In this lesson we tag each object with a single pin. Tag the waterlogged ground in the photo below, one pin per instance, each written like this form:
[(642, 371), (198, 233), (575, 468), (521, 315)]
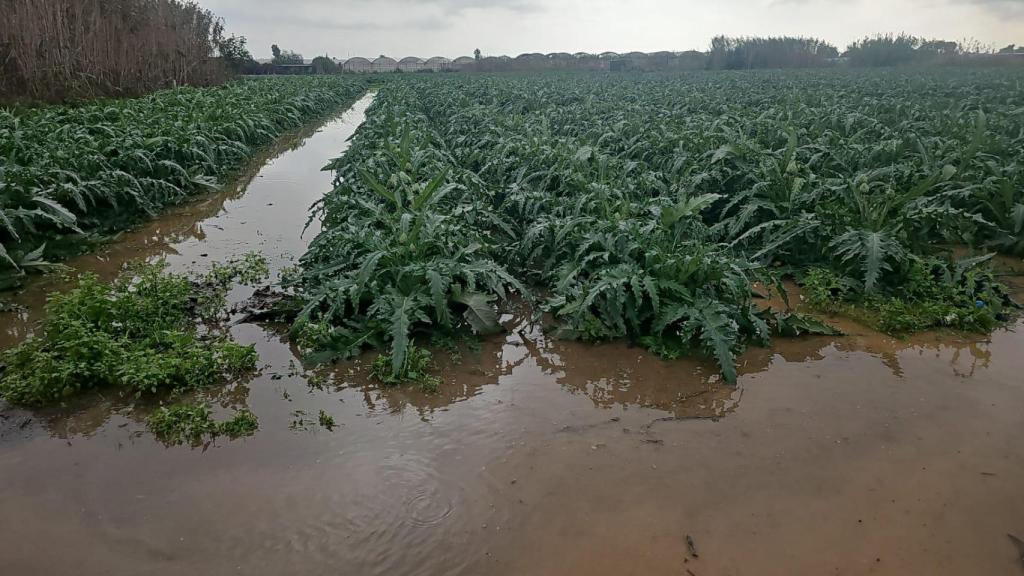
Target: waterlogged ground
[(852, 455)]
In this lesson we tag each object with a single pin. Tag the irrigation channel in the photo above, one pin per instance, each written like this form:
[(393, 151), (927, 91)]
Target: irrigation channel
[(852, 455)]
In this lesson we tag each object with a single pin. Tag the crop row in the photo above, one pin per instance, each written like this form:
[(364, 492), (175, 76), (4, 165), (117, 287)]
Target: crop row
[(646, 208), (74, 172)]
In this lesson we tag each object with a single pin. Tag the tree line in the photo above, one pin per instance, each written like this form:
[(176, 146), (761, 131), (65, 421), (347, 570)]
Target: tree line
[(61, 50), (729, 53), (58, 50)]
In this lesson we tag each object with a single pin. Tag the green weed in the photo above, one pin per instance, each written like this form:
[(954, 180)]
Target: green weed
[(415, 370), (326, 420), (136, 335), (194, 423)]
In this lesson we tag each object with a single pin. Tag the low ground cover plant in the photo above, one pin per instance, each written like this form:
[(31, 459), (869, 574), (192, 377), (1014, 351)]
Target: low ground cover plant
[(139, 336), (194, 424)]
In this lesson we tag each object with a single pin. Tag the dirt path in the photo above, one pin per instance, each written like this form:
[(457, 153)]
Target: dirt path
[(852, 455)]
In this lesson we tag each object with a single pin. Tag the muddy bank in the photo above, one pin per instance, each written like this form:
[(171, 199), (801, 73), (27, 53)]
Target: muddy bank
[(853, 455)]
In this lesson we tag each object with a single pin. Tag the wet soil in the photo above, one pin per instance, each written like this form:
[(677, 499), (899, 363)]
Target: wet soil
[(859, 454)]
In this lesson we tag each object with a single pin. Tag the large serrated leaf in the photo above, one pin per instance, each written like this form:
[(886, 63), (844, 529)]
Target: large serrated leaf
[(400, 322), (480, 312)]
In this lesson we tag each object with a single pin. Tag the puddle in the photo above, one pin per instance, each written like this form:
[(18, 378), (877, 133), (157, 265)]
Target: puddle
[(853, 455)]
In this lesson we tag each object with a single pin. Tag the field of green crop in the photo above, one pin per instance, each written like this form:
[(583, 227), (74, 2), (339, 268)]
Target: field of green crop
[(70, 173), (659, 209)]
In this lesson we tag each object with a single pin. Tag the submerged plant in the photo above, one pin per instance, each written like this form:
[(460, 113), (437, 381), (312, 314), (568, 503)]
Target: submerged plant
[(415, 369), (326, 420), (137, 335), (194, 424)]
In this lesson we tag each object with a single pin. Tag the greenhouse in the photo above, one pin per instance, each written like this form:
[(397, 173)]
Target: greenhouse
[(358, 65), (411, 64), (384, 64)]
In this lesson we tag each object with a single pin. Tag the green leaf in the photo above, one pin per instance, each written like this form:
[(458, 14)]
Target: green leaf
[(60, 212), (35, 255), (717, 334), (787, 324), (376, 186), (480, 312), (8, 226), (872, 250), (438, 293), (400, 323), (5, 257), (964, 265)]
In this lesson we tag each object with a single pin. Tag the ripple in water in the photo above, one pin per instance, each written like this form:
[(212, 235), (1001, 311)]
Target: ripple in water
[(376, 512), (427, 507)]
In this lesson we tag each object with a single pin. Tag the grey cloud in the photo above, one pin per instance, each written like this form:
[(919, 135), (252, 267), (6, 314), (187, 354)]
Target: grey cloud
[(1014, 8), (454, 27), (339, 22), (461, 5)]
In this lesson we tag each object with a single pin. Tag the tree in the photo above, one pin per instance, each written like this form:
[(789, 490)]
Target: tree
[(884, 50), (894, 50), (234, 52), (476, 54), (324, 65), (941, 47), (771, 52), (285, 56)]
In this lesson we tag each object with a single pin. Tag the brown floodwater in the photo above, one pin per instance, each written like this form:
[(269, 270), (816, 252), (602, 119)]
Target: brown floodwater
[(859, 454)]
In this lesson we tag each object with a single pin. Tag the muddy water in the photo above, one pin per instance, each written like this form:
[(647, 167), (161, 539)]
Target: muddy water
[(852, 455)]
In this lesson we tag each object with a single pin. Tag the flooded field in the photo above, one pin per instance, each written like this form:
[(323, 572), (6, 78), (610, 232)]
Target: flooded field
[(858, 454)]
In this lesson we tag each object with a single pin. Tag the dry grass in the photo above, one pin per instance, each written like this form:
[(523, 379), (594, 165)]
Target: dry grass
[(59, 50)]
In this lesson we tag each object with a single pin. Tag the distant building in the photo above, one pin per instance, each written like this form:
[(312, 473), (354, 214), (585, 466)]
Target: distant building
[(658, 62), (438, 64), (411, 64), (357, 65), (463, 63), (533, 61), (384, 64)]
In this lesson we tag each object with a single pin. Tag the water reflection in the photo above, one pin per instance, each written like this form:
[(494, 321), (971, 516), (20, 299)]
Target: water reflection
[(611, 376), (617, 375)]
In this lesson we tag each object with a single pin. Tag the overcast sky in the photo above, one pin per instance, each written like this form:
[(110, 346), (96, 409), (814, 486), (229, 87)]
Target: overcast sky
[(345, 28)]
